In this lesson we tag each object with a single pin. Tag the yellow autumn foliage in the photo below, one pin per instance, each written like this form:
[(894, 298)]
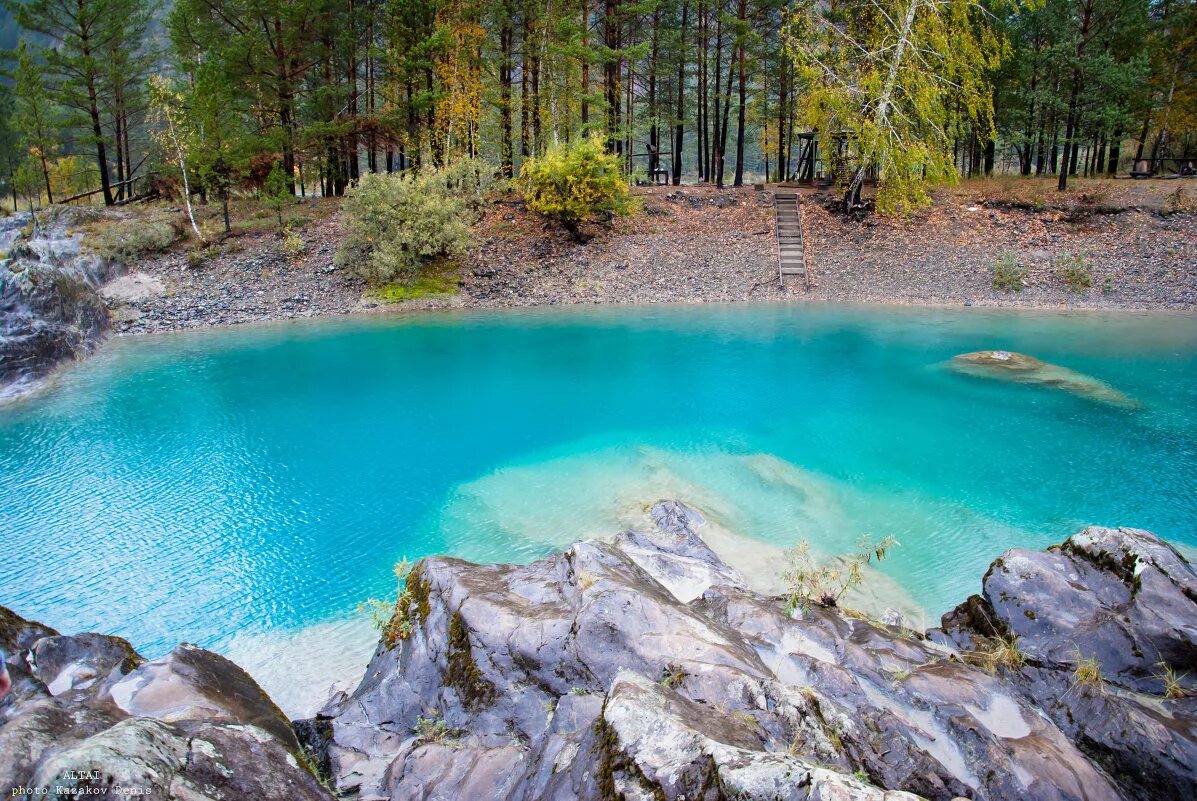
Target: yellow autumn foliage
[(577, 182)]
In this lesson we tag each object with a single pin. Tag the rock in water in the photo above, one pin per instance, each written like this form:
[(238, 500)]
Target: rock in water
[(1019, 368), (88, 715), (644, 669), (50, 309)]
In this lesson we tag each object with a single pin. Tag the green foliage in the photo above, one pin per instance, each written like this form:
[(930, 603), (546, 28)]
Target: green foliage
[(396, 224), (395, 620), (27, 180), (433, 728), (1008, 274), (894, 73), (824, 585), (95, 59), (292, 243), (429, 283), (576, 182), (1073, 271), (127, 240), (276, 192), (36, 119)]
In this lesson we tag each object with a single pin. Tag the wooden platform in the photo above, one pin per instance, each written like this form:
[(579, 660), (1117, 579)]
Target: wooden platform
[(791, 248)]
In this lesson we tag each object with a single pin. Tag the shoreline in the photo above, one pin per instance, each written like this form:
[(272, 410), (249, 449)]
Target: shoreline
[(403, 310), (695, 245)]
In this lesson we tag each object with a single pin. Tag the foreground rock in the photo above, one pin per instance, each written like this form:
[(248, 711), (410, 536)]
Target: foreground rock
[(50, 309), (644, 669), (1022, 369), (1107, 623), (88, 716)]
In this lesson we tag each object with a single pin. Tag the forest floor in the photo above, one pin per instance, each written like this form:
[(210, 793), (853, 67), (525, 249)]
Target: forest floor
[(690, 244)]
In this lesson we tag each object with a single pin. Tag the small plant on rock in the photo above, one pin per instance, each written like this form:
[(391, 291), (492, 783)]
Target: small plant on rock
[(1087, 672), (1172, 686), (673, 675), (824, 585), (1008, 274), (395, 620), (1073, 271), (996, 652), (433, 728)]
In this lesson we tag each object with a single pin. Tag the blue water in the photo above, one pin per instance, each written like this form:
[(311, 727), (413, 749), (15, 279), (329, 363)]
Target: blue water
[(201, 486)]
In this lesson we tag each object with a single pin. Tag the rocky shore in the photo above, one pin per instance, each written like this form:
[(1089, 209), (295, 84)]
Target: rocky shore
[(50, 307), (58, 300), (644, 668), (698, 244)]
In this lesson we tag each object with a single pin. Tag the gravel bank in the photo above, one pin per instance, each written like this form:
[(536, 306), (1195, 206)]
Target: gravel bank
[(697, 244)]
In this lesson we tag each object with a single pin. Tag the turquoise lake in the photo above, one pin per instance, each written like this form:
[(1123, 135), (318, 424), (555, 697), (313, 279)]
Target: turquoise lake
[(241, 487)]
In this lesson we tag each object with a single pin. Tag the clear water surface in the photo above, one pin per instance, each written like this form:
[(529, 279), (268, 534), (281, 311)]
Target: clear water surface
[(235, 487)]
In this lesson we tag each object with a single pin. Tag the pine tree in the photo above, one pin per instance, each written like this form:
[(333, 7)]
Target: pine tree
[(36, 119), (81, 33)]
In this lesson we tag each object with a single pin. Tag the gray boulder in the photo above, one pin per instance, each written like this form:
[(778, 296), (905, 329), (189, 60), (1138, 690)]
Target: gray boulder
[(88, 713), (1019, 368), (1120, 596), (1107, 623), (50, 307), (645, 669)]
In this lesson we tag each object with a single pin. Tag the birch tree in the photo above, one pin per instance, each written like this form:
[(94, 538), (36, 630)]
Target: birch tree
[(886, 74), (172, 135)]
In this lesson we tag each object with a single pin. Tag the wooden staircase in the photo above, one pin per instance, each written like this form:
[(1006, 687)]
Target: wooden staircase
[(791, 249)]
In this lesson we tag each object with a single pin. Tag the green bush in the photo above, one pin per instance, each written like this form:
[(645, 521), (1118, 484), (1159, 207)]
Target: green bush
[(292, 243), (1073, 271), (1008, 274), (395, 224), (576, 182), (126, 240)]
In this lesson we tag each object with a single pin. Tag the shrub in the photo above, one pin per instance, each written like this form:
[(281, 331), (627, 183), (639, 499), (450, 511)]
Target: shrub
[(1008, 274), (395, 224), (292, 243), (276, 192), (125, 240), (825, 585), (575, 183), (1073, 271)]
